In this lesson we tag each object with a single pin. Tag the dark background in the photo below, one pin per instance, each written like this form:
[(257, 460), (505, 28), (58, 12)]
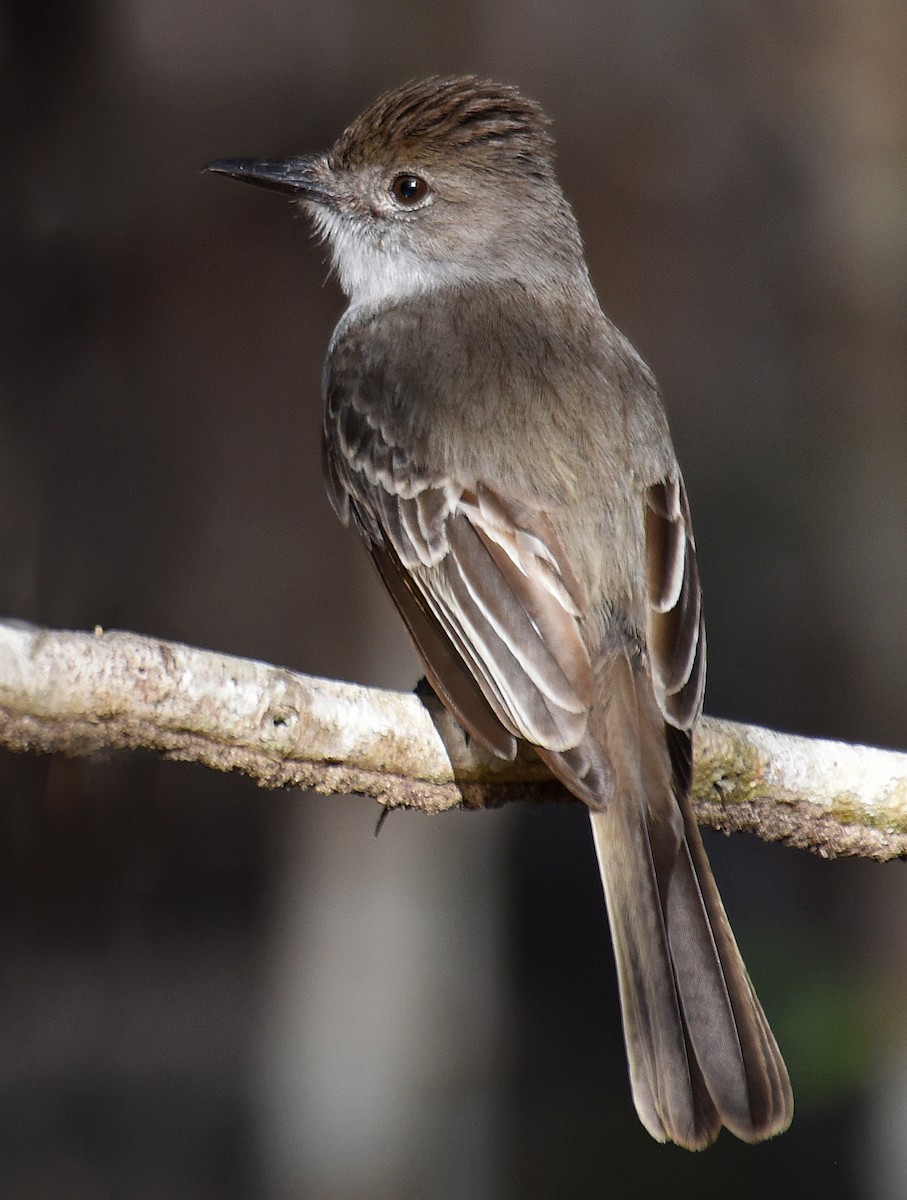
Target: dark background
[(211, 991)]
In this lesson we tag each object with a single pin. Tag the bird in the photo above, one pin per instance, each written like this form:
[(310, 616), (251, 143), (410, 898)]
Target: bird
[(504, 453)]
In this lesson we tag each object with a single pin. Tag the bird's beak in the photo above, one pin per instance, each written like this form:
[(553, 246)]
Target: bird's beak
[(304, 178)]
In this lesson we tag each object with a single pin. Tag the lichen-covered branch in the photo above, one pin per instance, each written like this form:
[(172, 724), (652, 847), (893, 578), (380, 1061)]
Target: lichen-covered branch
[(81, 693)]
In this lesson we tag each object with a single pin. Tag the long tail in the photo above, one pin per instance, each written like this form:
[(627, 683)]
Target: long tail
[(700, 1051)]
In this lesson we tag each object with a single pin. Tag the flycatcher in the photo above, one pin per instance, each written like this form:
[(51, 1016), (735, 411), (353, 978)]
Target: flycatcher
[(504, 454)]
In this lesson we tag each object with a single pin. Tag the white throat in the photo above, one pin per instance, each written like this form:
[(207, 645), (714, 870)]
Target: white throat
[(370, 274)]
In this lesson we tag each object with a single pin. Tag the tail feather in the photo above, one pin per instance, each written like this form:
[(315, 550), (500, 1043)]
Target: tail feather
[(700, 1051), (770, 1102)]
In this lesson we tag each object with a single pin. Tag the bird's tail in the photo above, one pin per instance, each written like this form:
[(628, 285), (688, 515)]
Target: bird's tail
[(700, 1051)]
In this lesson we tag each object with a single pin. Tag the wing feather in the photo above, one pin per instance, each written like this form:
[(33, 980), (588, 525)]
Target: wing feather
[(483, 581), (676, 628)]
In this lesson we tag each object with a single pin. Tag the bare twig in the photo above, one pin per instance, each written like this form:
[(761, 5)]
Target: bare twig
[(81, 693)]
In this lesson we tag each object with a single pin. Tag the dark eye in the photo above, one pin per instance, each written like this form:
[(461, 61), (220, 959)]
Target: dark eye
[(409, 189)]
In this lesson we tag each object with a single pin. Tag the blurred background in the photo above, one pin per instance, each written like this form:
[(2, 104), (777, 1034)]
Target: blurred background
[(208, 991)]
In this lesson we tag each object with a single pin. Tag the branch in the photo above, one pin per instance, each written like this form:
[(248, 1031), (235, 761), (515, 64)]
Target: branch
[(81, 693)]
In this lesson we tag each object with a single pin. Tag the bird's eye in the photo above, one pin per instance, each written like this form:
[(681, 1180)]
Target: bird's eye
[(409, 190)]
